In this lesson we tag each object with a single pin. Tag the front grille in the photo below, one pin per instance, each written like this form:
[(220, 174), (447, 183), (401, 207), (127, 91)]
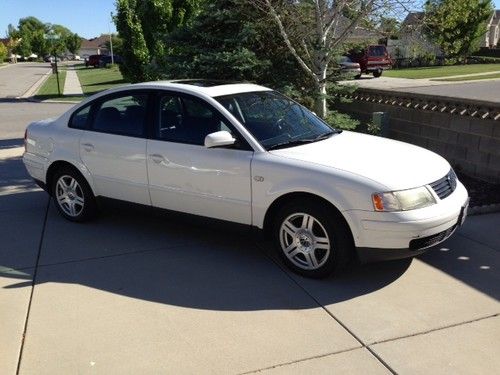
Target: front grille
[(422, 243), (446, 185)]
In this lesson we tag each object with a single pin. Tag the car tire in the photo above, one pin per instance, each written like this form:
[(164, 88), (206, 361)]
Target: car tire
[(312, 239), (357, 76), (72, 195), (377, 73)]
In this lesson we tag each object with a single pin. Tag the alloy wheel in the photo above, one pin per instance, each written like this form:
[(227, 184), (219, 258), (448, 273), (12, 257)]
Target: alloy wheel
[(304, 241), (69, 195)]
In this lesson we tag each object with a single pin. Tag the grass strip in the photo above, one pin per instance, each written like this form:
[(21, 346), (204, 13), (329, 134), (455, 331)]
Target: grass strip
[(441, 71), (470, 78), (49, 88)]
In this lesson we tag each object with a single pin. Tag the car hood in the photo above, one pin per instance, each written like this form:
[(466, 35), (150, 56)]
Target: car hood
[(394, 164)]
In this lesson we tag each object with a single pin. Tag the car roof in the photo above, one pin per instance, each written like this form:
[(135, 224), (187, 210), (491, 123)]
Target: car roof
[(211, 88)]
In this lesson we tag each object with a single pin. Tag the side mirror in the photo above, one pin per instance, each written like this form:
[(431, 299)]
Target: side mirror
[(218, 139)]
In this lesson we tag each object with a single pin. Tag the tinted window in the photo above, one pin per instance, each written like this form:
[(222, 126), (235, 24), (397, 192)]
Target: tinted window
[(376, 51), (188, 120), (79, 118), (124, 115)]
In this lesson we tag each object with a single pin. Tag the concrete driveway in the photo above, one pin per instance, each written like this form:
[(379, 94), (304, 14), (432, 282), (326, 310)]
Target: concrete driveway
[(140, 291)]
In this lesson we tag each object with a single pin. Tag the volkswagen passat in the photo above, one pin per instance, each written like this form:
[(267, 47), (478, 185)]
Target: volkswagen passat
[(247, 154)]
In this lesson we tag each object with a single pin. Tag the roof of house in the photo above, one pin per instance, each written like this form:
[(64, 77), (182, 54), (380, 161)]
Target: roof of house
[(413, 19), (95, 43), (4, 41)]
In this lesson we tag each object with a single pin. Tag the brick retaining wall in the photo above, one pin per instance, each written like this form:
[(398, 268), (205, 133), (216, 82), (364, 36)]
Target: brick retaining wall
[(465, 132)]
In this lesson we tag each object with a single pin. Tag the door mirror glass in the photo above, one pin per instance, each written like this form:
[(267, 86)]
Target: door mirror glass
[(218, 139)]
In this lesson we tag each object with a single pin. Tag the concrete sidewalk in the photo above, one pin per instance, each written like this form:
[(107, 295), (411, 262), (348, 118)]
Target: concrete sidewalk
[(72, 84), (144, 292)]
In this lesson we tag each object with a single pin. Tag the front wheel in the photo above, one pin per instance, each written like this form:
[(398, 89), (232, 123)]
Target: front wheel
[(312, 239), (73, 196), (377, 73)]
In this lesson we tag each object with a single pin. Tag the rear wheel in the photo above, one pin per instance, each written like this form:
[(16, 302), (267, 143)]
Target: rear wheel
[(313, 240), (377, 73), (72, 195)]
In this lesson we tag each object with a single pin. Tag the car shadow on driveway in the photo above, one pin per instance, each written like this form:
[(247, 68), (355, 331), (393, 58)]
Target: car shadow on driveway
[(468, 261), (180, 260)]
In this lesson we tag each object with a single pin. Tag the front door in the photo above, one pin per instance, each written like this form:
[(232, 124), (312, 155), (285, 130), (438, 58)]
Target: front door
[(186, 176)]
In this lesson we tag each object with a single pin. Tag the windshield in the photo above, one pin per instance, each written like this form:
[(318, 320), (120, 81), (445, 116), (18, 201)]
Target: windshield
[(275, 120)]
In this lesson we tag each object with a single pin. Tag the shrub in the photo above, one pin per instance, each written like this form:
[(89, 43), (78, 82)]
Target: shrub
[(3, 52)]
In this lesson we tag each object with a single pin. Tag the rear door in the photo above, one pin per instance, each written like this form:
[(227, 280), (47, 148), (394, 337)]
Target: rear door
[(114, 147)]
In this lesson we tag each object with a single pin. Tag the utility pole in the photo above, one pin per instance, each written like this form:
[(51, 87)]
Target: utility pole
[(111, 41)]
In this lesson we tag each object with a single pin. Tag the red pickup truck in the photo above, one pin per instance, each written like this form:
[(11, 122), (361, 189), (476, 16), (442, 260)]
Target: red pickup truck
[(374, 59)]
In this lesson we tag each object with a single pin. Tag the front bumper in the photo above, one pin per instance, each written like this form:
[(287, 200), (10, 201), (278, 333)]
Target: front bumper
[(386, 235)]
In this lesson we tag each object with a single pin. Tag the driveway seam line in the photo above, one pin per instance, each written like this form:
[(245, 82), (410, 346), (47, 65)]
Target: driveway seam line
[(436, 329), (300, 360), (385, 364), (33, 283)]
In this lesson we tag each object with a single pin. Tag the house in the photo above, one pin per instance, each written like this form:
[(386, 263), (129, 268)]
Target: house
[(412, 42), (94, 46), (492, 36)]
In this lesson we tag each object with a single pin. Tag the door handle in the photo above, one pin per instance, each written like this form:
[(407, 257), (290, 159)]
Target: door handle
[(88, 147), (157, 158)]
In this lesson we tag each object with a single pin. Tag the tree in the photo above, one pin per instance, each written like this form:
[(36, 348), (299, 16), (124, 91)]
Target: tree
[(73, 43), (315, 30), (223, 42), (457, 26), (143, 25), (117, 45)]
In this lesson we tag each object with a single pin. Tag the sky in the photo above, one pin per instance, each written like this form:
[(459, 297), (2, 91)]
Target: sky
[(87, 18)]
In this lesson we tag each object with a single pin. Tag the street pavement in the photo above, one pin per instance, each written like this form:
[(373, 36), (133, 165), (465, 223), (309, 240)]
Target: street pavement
[(487, 90), (16, 79), (143, 291)]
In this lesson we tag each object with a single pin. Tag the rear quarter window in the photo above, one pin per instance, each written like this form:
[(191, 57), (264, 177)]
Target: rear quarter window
[(79, 119)]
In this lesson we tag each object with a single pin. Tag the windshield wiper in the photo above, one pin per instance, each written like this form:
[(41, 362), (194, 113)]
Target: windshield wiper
[(297, 142)]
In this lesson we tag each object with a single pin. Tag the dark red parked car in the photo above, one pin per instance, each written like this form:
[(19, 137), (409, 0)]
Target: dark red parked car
[(374, 59), (93, 60)]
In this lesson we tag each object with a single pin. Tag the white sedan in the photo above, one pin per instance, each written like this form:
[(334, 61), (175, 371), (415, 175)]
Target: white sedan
[(247, 154)]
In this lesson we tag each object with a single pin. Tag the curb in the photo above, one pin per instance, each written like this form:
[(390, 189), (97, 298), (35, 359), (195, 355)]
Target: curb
[(32, 99), (34, 88), (485, 209)]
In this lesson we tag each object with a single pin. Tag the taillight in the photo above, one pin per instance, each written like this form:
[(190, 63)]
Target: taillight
[(26, 140)]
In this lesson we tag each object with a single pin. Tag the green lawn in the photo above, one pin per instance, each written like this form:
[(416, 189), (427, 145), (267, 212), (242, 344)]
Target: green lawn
[(98, 79), (470, 78), (49, 88), (442, 71)]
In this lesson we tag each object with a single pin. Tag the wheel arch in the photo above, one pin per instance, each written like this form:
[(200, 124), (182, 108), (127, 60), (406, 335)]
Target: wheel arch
[(58, 164), (284, 199)]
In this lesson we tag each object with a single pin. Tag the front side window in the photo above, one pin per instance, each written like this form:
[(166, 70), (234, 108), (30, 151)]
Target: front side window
[(274, 120), (187, 120), (124, 115)]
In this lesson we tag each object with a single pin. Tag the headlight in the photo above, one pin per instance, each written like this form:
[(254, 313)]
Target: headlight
[(403, 200)]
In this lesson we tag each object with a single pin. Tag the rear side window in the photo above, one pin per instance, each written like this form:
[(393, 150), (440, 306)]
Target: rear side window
[(79, 118), (124, 115)]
